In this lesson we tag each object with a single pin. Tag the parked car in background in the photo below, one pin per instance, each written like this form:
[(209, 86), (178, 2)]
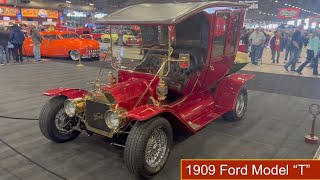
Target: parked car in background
[(95, 35), (64, 44)]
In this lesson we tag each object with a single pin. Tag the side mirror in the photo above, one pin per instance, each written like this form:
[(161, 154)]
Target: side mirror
[(184, 61)]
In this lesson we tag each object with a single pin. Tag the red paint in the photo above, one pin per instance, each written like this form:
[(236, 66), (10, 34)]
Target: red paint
[(206, 96), (71, 93), (61, 47)]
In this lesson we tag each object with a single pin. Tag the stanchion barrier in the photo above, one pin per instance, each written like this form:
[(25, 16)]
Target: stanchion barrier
[(314, 109), (80, 63)]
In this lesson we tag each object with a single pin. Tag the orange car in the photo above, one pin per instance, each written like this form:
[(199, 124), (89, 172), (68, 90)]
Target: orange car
[(64, 44)]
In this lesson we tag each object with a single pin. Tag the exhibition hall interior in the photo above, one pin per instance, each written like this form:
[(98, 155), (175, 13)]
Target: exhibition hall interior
[(132, 89)]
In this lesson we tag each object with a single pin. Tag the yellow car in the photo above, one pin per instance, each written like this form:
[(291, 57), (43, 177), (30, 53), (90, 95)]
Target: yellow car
[(127, 39), (106, 38)]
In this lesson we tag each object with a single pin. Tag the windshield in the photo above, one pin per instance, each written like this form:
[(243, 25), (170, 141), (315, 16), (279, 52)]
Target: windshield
[(133, 50), (66, 36)]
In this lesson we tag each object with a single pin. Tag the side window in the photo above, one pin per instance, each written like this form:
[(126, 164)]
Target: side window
[(47, 36), (236, 29), (220, 36), (50, 37)]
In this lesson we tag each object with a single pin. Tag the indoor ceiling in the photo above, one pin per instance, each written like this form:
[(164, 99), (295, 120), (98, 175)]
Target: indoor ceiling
[(265, 6)]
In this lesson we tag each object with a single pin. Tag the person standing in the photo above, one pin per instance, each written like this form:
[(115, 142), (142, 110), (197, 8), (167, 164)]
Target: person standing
[(312, 52), (276, 45), (4, 40), (17, 38), (287, 43), (37, 40), (257, 40), (51, 28), (246, 40), (296, 44), (265, 42)]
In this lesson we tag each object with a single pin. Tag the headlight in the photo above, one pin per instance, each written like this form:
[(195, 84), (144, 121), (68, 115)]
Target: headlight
[(70, 108), (112, 119), (73, 106)]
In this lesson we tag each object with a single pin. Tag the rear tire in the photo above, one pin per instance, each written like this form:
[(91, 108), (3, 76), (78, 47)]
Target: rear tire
[(241, 106), (48, 122), (148, 147)]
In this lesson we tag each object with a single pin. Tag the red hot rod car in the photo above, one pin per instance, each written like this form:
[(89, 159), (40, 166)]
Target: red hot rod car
[(64, 44), (178, 85)]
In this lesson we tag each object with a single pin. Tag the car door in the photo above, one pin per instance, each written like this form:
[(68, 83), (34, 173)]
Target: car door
[(220, 44), (54, 46), (44, 45)]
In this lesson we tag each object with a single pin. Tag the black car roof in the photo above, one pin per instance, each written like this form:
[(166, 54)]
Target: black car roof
[(169, 13)]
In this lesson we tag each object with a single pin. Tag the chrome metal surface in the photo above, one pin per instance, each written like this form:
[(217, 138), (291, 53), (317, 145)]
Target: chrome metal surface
[(240, 107), (156, 148), (63, 122)]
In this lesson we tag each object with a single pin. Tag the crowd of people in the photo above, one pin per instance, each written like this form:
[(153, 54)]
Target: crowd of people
[(291, 41), (11, 43)]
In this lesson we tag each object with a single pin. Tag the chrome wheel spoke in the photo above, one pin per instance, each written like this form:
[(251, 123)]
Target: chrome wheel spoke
[(62, 122), (240, 106), (156, 148)]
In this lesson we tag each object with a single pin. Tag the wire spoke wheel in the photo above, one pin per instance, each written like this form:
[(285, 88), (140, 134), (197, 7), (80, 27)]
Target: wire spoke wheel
[(240, 107), (63, 123), (156, 148)]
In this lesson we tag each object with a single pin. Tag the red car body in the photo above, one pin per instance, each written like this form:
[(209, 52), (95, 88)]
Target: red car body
[(55, 45), (185, 80), (209, 104)]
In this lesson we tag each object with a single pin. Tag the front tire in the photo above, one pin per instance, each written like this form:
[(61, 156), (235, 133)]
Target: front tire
[(74, 55), (240, 108), (148, 147), (52, 121)]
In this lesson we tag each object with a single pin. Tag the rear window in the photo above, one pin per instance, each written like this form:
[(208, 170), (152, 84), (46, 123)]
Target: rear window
[(65, 36)]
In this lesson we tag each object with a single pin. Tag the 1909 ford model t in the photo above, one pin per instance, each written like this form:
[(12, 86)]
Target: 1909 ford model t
[(180, 83)]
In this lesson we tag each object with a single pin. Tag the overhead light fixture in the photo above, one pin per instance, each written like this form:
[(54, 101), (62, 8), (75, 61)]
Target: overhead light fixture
[(276, 1), (91, 4), (69, 2)]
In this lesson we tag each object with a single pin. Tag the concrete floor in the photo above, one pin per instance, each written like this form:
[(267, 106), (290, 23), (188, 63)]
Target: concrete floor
[(274, 126)]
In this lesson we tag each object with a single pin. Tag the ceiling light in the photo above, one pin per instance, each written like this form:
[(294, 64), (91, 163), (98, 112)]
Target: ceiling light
[(91, 4), (69, 2), (286, 4)]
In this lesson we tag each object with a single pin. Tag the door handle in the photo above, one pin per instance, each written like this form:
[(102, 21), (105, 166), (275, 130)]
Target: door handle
[(211, 67)]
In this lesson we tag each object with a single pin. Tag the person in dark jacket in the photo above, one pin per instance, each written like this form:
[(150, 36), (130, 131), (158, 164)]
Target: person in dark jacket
[(4, 40), (276, 45), (17, 38), (287, 43)]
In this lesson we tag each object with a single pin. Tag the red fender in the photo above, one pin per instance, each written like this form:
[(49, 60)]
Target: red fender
[(71, 93), (228, 89), (144, 112)]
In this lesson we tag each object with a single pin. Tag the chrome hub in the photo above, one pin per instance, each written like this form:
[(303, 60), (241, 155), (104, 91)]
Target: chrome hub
[(63, 123), (156, 148), (240, 107)]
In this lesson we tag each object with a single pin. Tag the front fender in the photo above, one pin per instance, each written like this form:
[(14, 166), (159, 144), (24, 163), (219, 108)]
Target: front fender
[(71, 93), (144, 112), (228, 89)]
